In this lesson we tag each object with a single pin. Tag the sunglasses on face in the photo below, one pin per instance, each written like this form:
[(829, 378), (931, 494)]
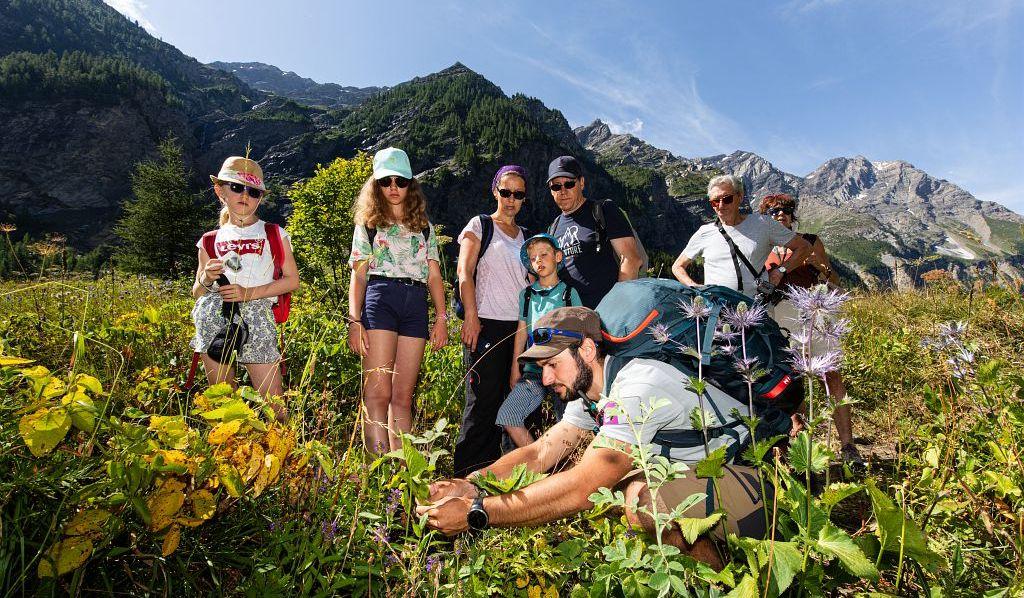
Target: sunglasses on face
[(385, 182), (776, 212), (724, 200), (556, 187), (506, 193), (543, 336), (252, 191)]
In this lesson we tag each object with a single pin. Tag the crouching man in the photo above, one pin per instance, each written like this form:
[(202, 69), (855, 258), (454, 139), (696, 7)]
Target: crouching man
[(566, 344)]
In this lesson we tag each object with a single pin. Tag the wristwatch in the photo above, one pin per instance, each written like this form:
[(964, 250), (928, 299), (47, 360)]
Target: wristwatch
[(781, 269), (477, 517)]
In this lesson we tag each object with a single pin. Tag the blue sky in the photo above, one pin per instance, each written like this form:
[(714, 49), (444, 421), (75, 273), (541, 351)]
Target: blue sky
[(939, 84)]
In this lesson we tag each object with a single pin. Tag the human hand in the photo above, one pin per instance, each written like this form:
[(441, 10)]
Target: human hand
[(471, 331), (457, 487), (439, 334), (358, 339), (447, 516), (214, 268), (233, 293), (514, 377)]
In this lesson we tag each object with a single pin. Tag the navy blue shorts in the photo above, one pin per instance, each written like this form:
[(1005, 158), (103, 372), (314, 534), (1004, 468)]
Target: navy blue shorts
[(396, 306)]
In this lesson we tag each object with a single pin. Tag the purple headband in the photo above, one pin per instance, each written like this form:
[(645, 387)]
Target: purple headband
[(519, 170)]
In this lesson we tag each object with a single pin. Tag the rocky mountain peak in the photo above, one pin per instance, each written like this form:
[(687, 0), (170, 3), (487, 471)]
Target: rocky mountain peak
[(593, 134), (850, 176)]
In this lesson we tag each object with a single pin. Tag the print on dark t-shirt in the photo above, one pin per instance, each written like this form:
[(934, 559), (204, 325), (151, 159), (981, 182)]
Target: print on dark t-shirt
[(591, 272)]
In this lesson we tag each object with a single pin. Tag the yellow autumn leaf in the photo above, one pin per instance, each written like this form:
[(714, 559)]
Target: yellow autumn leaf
[(534, 592), (81, 408), (240, 456), (171, 540), (65, 556), (204, 504), (179, 458), (44, 429), (54, 388), (228, 476), (551, 592), (221, 432), (89, 383), (35, 372), (189, 521), (255, 462), (6, 360), (86, 522), (268, 473), (522, 582), (163, 505)]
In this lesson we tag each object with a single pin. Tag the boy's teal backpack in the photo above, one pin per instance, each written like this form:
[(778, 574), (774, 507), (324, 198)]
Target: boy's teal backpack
[(645, 318)]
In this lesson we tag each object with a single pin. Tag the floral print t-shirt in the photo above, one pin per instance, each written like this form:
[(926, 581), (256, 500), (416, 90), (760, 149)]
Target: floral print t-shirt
[(396, 252)]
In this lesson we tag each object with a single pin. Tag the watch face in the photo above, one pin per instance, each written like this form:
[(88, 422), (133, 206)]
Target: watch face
[(477, 518)]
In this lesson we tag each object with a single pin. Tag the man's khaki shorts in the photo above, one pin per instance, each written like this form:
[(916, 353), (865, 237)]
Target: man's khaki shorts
[(739, 495)]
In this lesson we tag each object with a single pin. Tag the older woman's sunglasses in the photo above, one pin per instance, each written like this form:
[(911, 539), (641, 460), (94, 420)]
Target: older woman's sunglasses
[(543, 336), (780, 211), (400, 182), (506, 193), (252, 191)]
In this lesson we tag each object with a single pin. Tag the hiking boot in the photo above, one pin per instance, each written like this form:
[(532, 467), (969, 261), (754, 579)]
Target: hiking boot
[(851, 456)]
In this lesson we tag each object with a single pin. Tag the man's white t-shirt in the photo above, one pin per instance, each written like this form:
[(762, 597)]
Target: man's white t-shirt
[(755, 237), (252, 247), (500, 275), (639, 385)]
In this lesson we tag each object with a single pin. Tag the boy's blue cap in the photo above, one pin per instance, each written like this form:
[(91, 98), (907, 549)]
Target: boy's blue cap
[(391, 161), (525, 257)]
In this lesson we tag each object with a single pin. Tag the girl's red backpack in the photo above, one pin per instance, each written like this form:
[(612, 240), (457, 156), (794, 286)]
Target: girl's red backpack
[(284, 302)]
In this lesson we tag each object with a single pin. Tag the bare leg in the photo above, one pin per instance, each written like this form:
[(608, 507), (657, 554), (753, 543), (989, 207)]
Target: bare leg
[(266, 377), (842, 416), (408, 357), (703, 549), (378, 366), (519, 435), (217, 372)]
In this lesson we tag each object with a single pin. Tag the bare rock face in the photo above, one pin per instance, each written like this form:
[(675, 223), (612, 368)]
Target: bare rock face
[(270, 79)]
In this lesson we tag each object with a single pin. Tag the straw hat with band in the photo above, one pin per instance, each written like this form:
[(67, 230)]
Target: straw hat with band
[(244, 171), (560, 329)]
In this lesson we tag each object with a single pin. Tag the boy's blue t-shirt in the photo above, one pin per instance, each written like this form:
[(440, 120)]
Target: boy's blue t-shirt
[(542, 300)]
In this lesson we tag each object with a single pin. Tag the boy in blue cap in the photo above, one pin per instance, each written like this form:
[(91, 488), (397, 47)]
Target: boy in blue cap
[(543, 258)]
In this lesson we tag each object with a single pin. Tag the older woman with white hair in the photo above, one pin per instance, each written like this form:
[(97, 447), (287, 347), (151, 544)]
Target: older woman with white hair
[(735, 245)]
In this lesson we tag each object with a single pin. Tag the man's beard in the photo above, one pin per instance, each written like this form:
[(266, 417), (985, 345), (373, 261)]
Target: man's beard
[(584, 377)]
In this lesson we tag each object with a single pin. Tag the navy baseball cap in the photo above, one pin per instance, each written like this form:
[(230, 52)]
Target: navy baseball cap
[(564, 166)]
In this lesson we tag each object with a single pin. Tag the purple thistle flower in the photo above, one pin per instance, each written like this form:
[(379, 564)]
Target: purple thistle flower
[(817, 365), (801, 336), (659, 332), (695, 308), (747, 367), (833, 330), (953, 331), (725, 333), (816, 301), (744, 317)]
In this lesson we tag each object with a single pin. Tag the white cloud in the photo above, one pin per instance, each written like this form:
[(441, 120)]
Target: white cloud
[(133, 9), (632, 127)]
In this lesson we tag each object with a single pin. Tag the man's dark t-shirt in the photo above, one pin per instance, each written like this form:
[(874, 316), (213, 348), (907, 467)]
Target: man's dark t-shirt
[(591, 272)]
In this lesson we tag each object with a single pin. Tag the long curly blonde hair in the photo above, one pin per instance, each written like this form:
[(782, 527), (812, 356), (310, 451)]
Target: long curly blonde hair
[(373, 210)]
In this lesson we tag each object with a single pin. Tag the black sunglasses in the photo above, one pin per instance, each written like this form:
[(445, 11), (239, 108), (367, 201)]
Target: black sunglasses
[(516, 194), (543, 336), (556, 187), (252, 191), (385, 182), (777, 211), (724, 200)]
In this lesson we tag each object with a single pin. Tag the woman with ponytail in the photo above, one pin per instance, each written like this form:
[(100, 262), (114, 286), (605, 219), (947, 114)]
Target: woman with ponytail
[(237, 265)]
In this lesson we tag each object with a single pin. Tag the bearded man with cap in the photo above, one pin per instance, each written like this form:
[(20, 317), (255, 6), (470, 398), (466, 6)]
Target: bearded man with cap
[(566, 343), (596, 239)]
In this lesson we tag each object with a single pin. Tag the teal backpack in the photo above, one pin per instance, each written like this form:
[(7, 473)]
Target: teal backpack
[(633, 309)]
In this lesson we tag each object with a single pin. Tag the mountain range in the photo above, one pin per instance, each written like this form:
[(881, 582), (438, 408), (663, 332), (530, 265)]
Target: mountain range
[(86, 94)]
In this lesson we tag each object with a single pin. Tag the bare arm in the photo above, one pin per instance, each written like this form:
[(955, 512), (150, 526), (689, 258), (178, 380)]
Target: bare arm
[(206, 274), (439, 334), (801, 251), (629, 257), (518, 346), (541, 455), (469, 253), (358, 340), (679, 270), (819, 259)]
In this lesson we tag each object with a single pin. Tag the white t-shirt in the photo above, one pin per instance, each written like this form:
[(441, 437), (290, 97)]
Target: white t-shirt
[(250, 245), (500, 275), (755, 237), (638, 385)]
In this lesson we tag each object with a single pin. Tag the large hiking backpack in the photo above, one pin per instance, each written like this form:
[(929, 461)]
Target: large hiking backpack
[(597, 211), (632, 309)]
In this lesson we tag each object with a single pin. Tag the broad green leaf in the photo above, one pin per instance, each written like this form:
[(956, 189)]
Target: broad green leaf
[(711, 466), (219, 390), (89, 383), (893, 525), (229, 411), (835, 542), (786, 561), (803, 447), (151, 316), (65, 556), (86, 522), (171, 430), (44, 429), (837, 492), (82, 410), (747, 588), (693, 527)]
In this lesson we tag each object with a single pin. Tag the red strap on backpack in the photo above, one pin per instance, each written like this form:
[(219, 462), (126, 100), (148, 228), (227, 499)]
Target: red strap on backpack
[(210, 244), (284, 302)]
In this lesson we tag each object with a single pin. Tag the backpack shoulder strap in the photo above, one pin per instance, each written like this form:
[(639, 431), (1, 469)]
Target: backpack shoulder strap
[(566, 295), (737, 256), (527, 294), (276, 246), (486, 234), (210, 243), (371, 234), (426, 232), (597, 211)]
